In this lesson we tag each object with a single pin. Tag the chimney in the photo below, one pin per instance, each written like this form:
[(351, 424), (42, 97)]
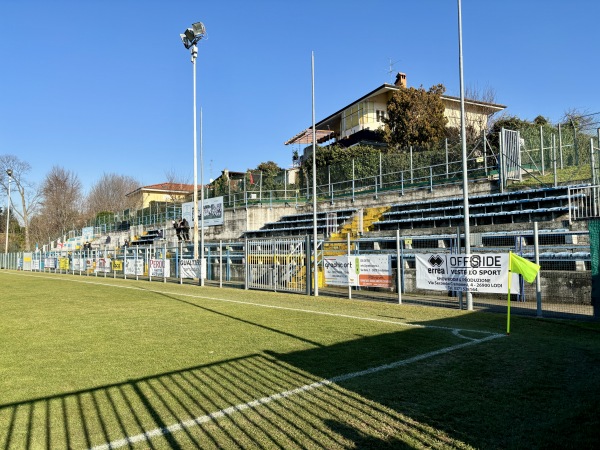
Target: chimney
[(400, 79)]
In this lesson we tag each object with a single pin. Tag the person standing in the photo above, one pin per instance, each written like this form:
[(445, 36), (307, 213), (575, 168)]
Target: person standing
[(177, 229), (185, 226)]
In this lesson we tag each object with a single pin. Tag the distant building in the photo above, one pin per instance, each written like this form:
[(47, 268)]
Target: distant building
[(358, 121), (163, 192)]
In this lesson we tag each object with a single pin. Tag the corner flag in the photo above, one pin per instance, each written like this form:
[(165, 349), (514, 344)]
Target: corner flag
[(524, 267)]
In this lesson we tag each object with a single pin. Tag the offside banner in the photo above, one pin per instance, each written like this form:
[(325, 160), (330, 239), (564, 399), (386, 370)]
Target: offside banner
[(362, 270), (477, 272)]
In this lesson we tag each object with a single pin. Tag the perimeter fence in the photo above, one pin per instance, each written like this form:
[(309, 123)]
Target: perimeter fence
[(563, 288)]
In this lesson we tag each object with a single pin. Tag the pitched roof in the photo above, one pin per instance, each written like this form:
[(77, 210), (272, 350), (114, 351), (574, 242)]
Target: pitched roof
[(171, 188)]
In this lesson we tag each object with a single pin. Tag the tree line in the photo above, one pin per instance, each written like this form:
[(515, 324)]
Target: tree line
[(42, 213)]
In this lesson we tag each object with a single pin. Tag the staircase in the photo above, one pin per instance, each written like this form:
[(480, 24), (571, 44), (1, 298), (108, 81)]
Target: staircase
[(338, 242)]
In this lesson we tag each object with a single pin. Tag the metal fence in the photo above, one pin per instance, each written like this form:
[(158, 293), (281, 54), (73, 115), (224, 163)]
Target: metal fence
[(563, 288)]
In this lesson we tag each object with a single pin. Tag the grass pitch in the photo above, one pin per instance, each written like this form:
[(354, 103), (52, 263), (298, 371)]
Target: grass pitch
[(101, 363)]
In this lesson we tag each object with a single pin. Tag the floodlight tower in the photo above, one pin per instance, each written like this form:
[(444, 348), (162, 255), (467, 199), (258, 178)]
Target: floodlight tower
[(9, 172), (190, 38)]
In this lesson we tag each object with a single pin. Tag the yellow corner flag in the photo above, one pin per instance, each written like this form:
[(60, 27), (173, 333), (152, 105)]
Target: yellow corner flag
[(529, 270), (523, 266)]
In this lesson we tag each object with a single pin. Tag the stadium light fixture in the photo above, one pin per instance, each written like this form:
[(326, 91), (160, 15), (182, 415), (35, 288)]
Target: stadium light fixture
[(190, 37), (9, 172)]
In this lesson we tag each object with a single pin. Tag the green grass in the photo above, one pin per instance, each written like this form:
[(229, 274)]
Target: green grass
[(86, 361)]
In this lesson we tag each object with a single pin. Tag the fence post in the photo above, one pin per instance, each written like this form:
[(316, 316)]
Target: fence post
[(348, 252), (246, 265), (352, 179), (411, 166), (560, 146), (446, 147), (220, 263), (485, 166), (380, 171), (399, 264), (538, 282), (554, 160), (307, 264), (592, 161), (542, 149), (430, 179), (165, 263)]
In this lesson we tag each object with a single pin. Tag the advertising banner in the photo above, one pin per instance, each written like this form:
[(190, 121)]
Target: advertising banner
[(63, 263), (117, 265), (103, 265), (49, 263), (134, 267), (27, 256), (213, 212), (78, 264), (158, 268), (477, 272), (87, 233), (190, 268), (361, 270)]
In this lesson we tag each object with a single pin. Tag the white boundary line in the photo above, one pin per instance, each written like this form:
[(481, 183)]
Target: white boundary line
[(455, 331), (157, 432), (186, 424)]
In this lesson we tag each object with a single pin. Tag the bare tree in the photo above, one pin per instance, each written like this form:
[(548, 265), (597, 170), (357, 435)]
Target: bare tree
[(61, 202), (29, 194), (109, 194)]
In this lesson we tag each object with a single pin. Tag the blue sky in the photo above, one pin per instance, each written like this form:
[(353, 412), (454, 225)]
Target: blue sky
[(106, 86)]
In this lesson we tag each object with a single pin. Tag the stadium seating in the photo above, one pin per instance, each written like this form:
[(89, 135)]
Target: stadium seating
[(148, 238), (302, 224), (544, 204)]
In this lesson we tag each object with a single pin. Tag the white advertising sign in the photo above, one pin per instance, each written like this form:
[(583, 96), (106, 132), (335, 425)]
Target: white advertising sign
[(134, 266), (78, 264), (158, 268), (102, 265), (49, 263), (362, 270), (477, 272), (213, 212), (27, 257), (190, 268)]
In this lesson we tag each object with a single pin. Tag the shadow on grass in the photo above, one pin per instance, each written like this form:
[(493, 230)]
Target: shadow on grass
[(430, 386)]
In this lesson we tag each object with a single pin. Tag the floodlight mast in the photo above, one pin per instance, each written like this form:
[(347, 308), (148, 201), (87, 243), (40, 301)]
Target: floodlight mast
[(190, 37)]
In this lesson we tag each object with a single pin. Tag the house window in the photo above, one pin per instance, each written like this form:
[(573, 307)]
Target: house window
[(380, 115), (359, 113)]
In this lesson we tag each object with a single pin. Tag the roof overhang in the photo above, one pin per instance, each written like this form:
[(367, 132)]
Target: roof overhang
[(306, 137)]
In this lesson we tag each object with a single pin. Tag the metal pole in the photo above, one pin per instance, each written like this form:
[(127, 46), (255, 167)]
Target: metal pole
[(314, 178), (446, 147), (380, 172), (348, 251), (463, 139), (542, 150), (220, 263), (201, 204), (538, 282), (9, 173), (592, 161), (194, 51), (411, 166), (554, 160), (560, 149), (399, 263)]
